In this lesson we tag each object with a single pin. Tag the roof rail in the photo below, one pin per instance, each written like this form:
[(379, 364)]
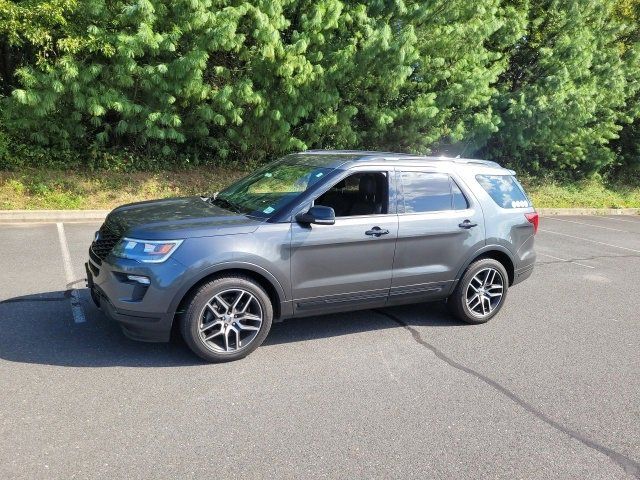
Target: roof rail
[(348, 152), (404, 156)]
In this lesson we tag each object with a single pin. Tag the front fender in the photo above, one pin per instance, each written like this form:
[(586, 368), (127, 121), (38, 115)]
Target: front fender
[(220, 267), (264, 252)]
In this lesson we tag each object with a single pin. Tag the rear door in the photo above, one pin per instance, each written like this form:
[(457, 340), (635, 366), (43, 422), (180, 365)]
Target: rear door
[(440, 223)]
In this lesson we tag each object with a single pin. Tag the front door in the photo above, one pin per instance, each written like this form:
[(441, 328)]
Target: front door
[(349, 264)]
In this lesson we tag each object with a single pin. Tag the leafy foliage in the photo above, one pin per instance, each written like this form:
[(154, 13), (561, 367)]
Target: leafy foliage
[(628, 145), (28, 33), (562, 99), (540, 85)]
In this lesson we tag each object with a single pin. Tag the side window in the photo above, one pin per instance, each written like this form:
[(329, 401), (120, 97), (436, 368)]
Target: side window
[(426, 192), (362, 193), (460, 202), (504, 190)]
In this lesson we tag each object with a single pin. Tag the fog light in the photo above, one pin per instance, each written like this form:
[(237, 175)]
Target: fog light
[(138, 279)]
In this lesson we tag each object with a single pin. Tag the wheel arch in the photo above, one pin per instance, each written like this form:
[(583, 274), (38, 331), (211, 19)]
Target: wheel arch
[(262, 277), (497, 252)]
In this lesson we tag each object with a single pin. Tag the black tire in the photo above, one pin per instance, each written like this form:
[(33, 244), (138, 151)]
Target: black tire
[(191, 321), (457, 302)]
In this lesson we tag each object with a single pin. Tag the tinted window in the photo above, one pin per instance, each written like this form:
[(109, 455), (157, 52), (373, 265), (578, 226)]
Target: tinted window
[(426, 192), (459, 200), (504, 190), (363, 193)]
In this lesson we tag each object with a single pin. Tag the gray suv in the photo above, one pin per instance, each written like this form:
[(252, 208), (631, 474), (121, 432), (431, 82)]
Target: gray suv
[(314, 233)]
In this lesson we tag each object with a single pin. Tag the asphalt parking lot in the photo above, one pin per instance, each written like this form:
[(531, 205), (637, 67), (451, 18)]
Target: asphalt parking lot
[(548, 389)]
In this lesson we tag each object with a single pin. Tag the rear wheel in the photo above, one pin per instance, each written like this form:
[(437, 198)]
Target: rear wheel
[(481, 292), (227, 319)]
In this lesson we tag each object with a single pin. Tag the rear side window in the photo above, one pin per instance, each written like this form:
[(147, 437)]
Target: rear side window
[(504, 190), (459, 200), (426, 192)]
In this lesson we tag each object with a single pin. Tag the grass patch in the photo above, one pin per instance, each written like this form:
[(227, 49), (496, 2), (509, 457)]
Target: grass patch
[(37, 189), (584, 194)]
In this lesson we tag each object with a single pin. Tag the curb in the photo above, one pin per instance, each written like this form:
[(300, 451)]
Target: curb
[(588, 211), (53, 216)]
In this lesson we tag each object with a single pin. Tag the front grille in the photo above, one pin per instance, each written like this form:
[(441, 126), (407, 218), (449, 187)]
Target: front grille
[(107, 239)]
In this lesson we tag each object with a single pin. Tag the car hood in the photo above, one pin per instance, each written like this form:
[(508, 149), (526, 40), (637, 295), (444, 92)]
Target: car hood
[(177, 218)]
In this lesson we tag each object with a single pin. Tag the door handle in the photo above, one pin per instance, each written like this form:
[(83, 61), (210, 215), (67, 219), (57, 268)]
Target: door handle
[(376, 232), (467, 224)]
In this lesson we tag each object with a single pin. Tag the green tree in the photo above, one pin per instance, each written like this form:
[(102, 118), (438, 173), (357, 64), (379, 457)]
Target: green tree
[(29, 31), (628, 146), (248, 78), (539, 85), (445, 104), (562, 99), (255, 79)]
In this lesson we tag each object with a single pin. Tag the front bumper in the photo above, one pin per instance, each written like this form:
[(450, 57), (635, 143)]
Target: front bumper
[(143, 311), (136, 327)]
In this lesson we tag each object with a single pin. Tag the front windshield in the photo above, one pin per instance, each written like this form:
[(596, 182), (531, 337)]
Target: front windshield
[(273, 186)]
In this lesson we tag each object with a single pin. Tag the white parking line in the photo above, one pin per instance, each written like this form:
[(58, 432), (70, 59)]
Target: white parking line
[(622, 220), (76, 306), (588, 224), (565, 260), (589, 240)]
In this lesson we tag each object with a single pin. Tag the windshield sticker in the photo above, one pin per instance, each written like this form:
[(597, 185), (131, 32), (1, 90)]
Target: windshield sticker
[(268, 210), (318, 175)]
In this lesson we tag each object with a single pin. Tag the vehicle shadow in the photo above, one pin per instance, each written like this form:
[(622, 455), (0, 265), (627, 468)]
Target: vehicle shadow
[(40, 329)]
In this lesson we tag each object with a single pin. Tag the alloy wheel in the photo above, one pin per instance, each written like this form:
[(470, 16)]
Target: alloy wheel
[(484, 292), (230, 321)]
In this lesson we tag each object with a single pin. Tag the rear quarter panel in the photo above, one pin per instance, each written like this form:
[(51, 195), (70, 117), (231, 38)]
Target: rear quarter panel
[(506, 227)]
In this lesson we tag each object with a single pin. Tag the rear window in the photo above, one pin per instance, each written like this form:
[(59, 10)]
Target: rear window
[(426, 192), (504, 190)]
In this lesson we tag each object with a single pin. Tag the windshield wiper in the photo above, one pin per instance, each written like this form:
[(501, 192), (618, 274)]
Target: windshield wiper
[(224, 203)]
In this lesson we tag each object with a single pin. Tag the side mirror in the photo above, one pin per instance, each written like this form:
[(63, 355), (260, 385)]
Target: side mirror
[(319, 215)]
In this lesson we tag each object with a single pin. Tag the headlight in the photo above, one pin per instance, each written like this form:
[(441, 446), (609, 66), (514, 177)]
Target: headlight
[(146, 251)]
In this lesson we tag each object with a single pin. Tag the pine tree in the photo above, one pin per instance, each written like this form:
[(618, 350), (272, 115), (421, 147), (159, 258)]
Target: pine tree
[(445, 105), (562, 98), (251, 79), (28, 33), (628, 146), (539, 85)]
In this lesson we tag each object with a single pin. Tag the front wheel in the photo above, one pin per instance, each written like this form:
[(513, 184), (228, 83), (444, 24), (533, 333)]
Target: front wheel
[(227, 319), (481, 292)]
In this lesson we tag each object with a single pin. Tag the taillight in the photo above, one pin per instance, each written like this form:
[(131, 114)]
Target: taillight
[(532, 218)]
